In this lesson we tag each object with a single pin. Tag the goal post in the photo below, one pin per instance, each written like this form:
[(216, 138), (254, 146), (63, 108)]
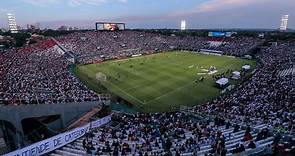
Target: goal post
[(100, 77)]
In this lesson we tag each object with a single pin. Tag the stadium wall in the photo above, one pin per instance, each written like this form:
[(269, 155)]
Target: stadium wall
[(68, 112), (45, 146)]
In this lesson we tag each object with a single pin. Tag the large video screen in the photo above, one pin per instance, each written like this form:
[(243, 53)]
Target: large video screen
[(110, 26)]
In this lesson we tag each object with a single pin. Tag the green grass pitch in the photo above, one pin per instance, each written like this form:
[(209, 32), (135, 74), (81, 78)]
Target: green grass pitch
[(160, 82)]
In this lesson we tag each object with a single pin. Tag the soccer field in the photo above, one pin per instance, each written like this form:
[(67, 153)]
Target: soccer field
[(163, 81)]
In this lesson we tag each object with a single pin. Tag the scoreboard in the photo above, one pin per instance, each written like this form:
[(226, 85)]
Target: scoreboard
[(106, 26)]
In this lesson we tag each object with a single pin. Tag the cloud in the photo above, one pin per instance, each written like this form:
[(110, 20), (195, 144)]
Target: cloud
[(239, 13), (214, 5), (87, 2), (41, 2), (219, 5), (224, 14), (209, 14), (91, 2), (4, 10), (72, 3), (123, 1)]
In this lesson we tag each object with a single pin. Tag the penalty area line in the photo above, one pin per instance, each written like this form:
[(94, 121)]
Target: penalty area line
[(172, 91), (141, 102)]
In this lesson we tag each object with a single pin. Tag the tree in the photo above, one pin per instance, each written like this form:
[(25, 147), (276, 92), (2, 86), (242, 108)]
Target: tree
[(55, 33), (20, 38)]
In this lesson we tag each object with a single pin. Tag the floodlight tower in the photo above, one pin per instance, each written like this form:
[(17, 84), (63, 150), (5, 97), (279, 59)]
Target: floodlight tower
[(284, 22), (183, 25)]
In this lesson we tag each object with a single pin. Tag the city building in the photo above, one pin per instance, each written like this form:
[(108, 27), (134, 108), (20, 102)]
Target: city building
[(12, 23), (284, 22)]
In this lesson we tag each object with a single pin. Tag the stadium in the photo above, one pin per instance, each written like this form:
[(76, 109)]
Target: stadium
[(117, 91)]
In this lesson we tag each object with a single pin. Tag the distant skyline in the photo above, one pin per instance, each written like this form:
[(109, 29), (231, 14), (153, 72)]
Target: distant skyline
[(198, 14)]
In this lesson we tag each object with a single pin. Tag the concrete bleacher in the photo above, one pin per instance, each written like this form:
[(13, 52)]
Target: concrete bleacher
[(235, 138), (76, 148), (285, 72)]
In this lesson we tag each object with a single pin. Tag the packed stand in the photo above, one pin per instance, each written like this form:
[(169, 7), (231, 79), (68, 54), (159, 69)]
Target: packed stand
[(257, 116), (266, 96), (236, 46), (39, 74), (176, 133), (93, 47)]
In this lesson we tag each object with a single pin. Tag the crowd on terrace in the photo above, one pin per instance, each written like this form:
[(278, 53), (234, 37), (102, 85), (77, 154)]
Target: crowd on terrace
[(39, 74), (98, 46), (267, 95), (178, 133), (236, 47)]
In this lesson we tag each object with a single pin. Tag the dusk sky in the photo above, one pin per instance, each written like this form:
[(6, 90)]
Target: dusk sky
[(151, 13)]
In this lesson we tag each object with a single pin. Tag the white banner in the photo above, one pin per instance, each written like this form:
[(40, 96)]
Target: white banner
[(102, 121), (58, 141)]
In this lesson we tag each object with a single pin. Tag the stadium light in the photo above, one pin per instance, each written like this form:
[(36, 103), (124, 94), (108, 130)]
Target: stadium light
[(183, 25)]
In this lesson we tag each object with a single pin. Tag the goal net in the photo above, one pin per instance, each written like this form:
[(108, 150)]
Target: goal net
[(101, 77)]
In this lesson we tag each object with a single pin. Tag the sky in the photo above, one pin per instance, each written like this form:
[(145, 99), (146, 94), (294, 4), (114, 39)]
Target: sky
[(198, 14)]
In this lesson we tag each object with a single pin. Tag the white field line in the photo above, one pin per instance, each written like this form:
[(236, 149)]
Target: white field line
[(172, 91), (126, 92), (135, 87), (143, 103), (183, 86)]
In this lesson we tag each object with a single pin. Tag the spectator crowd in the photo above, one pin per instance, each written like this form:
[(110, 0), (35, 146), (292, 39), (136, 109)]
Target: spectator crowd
[(38, 74), (98, 46), (177, 133), (266, 96)]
